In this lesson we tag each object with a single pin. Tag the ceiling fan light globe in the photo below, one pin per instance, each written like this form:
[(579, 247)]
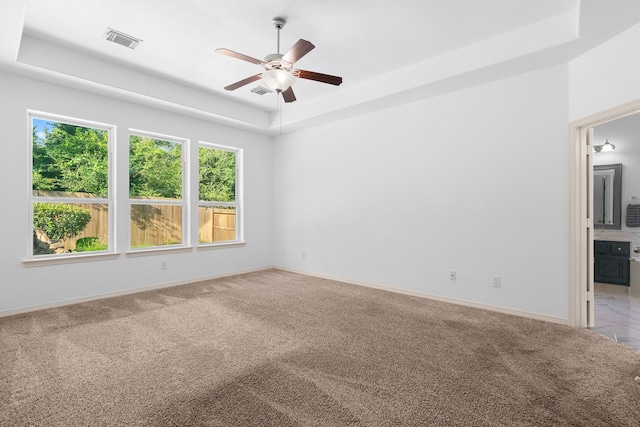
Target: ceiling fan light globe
[(278, 80)]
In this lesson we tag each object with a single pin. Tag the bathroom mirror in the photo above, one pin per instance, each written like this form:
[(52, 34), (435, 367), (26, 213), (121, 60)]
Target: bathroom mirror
[(607, 195)]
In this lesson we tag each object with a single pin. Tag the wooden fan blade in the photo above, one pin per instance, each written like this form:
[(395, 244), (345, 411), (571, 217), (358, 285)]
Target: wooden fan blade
[(238, 55), (297, 51), (243, 82), (288, 95), (319, 77)]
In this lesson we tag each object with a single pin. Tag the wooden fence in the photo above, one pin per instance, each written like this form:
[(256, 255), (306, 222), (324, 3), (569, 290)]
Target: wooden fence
[(153, 225), (216, 224)]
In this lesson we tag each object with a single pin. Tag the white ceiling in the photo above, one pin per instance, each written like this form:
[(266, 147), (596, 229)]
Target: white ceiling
[(386, 51)]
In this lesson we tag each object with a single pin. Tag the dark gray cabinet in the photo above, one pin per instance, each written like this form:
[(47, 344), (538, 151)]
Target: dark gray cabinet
[(612, 263)]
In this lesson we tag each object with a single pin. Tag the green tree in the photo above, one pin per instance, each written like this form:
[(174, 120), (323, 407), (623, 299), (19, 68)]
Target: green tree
[(43, 176), (75, 159), (217, 175), (155, 168), (71, 158)]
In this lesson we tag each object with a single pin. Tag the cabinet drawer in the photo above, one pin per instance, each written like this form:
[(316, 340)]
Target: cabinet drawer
[(608, 247), (619, 248)]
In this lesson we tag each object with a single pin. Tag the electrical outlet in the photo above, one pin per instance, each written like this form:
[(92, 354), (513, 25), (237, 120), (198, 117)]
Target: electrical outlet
[(163, 265), (303, 255), (497, 281), (452, 275)]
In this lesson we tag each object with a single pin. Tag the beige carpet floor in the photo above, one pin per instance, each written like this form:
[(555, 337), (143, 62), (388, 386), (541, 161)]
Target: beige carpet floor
[(274, 348)]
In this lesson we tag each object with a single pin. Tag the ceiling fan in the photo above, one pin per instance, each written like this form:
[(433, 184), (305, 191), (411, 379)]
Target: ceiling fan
[(279, 74)]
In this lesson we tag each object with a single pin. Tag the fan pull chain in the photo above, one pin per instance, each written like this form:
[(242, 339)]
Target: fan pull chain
[(280, 108)]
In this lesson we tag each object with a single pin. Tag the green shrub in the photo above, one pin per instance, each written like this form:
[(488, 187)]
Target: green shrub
[(59, 221), (89, 244)]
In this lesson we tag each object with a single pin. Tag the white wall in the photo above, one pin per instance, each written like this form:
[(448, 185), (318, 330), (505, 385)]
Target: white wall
[(473, 181), (23, 287), (605, 77)]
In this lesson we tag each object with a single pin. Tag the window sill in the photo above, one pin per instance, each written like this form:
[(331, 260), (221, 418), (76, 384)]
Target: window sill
[(68, 259), (89, 257), (158, 251), (220, 245)]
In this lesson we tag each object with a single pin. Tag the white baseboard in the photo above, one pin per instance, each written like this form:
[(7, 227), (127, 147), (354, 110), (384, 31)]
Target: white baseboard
[(498, 309), (505, 310), (122, 293)]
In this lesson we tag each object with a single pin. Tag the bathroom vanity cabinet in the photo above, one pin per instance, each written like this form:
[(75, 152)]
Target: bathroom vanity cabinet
[(612, 264)]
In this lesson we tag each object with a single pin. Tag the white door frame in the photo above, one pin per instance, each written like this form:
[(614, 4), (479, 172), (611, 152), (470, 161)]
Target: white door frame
[(581, 298)]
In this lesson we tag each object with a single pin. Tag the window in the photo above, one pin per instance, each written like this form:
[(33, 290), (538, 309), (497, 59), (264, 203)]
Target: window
[(70, 203), (72, 199), (156, 188), (218, 208)]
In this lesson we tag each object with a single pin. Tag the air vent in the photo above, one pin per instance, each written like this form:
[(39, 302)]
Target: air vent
[(261, 90), (121, 38)]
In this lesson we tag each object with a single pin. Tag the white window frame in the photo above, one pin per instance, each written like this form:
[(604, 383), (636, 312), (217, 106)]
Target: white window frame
[(238, 204), (183, 202), (109, 200)]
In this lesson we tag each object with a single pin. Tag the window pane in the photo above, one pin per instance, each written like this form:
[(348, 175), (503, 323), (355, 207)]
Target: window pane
[(155, 225), (217, 171), (70, 227), (69, 158), (216, 224), (155, 168)]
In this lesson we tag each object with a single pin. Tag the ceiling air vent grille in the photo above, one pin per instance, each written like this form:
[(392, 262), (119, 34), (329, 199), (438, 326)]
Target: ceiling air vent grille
[(121, 38), (261, 90)]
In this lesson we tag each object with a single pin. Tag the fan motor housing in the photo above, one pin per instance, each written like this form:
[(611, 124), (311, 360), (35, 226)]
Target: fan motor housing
[(273, 57), (274, 62)]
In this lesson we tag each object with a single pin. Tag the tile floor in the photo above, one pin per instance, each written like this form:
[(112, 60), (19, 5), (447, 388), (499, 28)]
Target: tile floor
[(617, 314)]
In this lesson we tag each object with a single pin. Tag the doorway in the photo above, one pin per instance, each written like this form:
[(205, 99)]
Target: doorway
[(585, 296), (617, 307)]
